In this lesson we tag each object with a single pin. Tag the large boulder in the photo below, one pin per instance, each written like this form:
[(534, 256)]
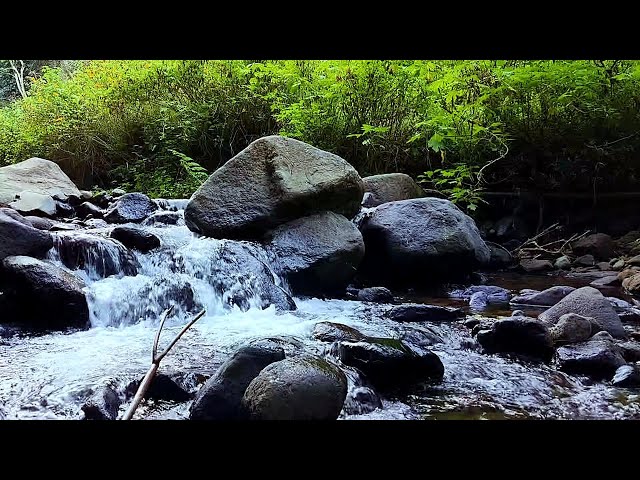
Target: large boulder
[(18, 237), (31, 203), (600, 245), (272, 181), (390, 187), (389, 364), (598, 358), (131, 207), (43, 295), (300, 388), (135, 238), (588, 302), (35, 175), (425, 238), (518, 335), (318, 253), (220, 398), (545, 298)]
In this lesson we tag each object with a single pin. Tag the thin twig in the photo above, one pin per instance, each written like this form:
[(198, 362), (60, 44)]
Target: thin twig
[(154, 351)]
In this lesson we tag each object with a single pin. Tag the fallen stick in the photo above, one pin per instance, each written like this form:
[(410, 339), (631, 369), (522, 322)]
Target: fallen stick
[(156, 359)]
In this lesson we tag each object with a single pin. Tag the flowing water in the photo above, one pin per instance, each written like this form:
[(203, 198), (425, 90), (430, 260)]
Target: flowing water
[(49, 376)]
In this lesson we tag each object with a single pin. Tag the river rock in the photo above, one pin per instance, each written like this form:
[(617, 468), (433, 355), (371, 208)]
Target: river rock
[(291, 345), (545, 298), (600, 245), (518, 335), (632, 284), (31, 203), (634, 261), (588, 302), (389, 364), (18, 237), (300, 388), (390, 187), (416, 312), (630, 351), (618, 264), (163, 218), (599, 357), (419, 336), (585, 260), (87, 208), (605, 281), (499, 257), (44, 295), (99, 256), (35, 175), (272, 181), (626, 376), (132, 207), (572, 328), (135, 238), (375, 294), (423, 238), (480, 296), (318, 253), (103, 404), (41, 223), (332, 332), (562, 263), (628, 272), (167, 388), (530, 265), (220, 398), (361, 400)]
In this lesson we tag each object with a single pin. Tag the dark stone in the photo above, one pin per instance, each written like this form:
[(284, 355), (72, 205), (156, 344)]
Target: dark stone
[(517, 335), (389, 187), (300, 388), (598, 358), (164, 218), (375, 294), (292, 346), (361, 400), (626, 376), (18, 237), (102, 405), (424, 238), (44, 295), (272, 181), (585, 260), (102, 199), (132, 207), (64, 210), (499, 257), (546, 298), (40, 223), (135, 238), (389, 364), (87, 208), (332, 332), (163, 387), (319, 253), (599, 245), (415, 312), (419, 336), (532, 266), (630, 351)]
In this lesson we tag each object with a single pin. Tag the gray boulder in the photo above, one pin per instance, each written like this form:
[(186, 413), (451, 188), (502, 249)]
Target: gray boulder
[(44, 295), (35, 175), (545, 298), (318, 253), (272, 181), (18, 237), (31, 203), (600, 245), (588, 302), (131, 207), (300, 388), (389, 187), (598, 358), (573, 328), (220, 398), (426, 238)]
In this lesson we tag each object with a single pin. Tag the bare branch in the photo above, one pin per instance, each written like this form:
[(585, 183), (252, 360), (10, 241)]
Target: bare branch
[(154, 351), (186, 327)]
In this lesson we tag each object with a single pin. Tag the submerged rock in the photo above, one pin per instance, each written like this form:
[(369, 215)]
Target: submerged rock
[(132, 207), (300, 388), (389, 187), (18, 237), (419, 336), (135, 238), (598, 358), (272, 181), (414, 312), (518, 335)]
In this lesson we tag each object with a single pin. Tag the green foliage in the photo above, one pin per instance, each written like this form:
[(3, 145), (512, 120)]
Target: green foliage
[(460, 184)]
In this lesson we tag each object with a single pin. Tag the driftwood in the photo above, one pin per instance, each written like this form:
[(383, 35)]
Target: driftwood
[(156, 359), (531, 247)]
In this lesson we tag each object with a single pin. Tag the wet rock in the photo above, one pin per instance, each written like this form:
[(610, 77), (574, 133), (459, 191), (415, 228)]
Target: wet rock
[(220, 398), (533, 266), (361, 400), (36, 289), (35, 175), (375, 294), (630, 315), (418, 336), (132, 207), (300, 388), (100, 257), (605, 281), (31, 203), (598, 358), (87, 208), (40, 223), (173, 204), (102, 199), (626, 376), (518, 313), (64, 210), (499, 257), (135, 238), (332, 332), (102, 405), (18, 237), (407, 238), (389, 364), (95, 223), (617, 303), (634, 261), (630, 351), (415, 312), (585, 260), (598, 245), (319, 253), (562, 263), (494, 294), (291, 345), (632, 284), (517, 335), (588, 302), (545, 298), (572, 328), (390, 187), (471, 322), (163, 218), (272, 181), (164, 387)]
